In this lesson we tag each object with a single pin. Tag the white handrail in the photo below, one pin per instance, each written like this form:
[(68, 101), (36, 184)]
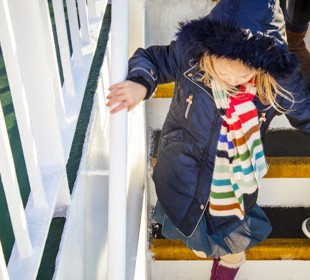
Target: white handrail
[(118, 148)]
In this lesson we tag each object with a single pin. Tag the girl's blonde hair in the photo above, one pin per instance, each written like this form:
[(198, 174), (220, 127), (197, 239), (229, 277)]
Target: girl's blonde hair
[(267, 87)]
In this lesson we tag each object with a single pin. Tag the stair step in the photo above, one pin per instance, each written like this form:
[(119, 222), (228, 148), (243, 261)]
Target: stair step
[(270, 249), (288, 167), (250, 270), (164, 91), (286, 143), (278, 143), (281, 167)]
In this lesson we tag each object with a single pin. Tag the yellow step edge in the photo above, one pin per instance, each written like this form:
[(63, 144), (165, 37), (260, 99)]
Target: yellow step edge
[(288, 167), (282, 167), (270, 249), (164, 91)]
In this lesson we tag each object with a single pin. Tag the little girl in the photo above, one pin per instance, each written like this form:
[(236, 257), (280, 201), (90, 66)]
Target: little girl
[(233, 73)]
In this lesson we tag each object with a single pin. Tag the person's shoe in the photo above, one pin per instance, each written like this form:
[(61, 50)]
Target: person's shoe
[(227, 271), (214, 267), (306, 227), (297, 46)]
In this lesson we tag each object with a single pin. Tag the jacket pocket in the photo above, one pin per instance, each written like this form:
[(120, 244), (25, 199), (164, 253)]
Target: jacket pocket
[(171, 137)]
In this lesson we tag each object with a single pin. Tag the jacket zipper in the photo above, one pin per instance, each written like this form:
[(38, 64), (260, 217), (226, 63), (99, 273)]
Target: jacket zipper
[(262, 118), (189, 101)]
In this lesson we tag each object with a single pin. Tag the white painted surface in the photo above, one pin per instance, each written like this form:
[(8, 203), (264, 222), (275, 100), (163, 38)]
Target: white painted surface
[(38, 225), (36, 75), (92, 8), (251, 270), (12, 193), (162, 17), (21, 108), (50, 50), (74, 33), (118, 147), (137, 25), (63, 43), (83, 15), (285, 192), (3, 271), (34, 62), (80, 76), (86, 231), (71, 262)]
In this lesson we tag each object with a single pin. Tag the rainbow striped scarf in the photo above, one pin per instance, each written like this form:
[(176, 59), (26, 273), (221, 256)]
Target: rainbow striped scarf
[(240, 162)]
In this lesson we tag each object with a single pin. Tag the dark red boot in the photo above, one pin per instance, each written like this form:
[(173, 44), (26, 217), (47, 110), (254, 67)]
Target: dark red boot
[(214, 267), (227, 271)]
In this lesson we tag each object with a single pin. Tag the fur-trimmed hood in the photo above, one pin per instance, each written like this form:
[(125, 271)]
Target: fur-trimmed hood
[(250, 30)]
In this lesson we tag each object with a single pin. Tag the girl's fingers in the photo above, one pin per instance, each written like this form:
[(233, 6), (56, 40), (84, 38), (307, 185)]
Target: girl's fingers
[(126, 94), (118, 86), (116, 99), (120, 107)]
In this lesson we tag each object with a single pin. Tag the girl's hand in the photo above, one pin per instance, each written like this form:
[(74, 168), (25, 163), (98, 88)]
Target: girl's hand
[(127, 94)]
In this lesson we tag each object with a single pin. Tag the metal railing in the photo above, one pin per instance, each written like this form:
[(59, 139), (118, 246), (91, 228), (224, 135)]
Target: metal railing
[(114, 158), (46, 112)]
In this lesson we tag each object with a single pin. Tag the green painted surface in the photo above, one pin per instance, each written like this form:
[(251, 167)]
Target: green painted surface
[(6, 233)]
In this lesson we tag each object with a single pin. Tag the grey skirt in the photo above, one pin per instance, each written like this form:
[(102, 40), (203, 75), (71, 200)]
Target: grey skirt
[(236, 238)]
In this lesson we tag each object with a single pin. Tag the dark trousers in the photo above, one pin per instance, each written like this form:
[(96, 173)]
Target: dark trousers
[(297, 12)]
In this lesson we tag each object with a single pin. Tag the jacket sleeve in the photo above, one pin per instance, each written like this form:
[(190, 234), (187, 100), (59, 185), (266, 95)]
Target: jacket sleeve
[(154, 65), (298, 112)]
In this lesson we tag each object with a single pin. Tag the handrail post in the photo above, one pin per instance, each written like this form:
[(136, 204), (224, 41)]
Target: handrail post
[(118, 148), (64, 49), (75, 33), (92, 8), (83, 13)]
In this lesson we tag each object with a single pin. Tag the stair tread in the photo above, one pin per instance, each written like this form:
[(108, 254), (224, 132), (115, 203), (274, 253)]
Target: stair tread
[(281, 167), (164, 91), (277, 143), (270, 249)]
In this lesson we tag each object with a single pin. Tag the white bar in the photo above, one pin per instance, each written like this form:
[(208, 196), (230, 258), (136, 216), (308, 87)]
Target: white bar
[(21, 108), (11, 190), (118, 148), (3, 271), (37, 75), (52, 58), (83, 12), (63, 44), (92, 8), (75, 33)]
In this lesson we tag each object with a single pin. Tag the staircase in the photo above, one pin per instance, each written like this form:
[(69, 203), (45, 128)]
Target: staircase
[(284, 197)]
